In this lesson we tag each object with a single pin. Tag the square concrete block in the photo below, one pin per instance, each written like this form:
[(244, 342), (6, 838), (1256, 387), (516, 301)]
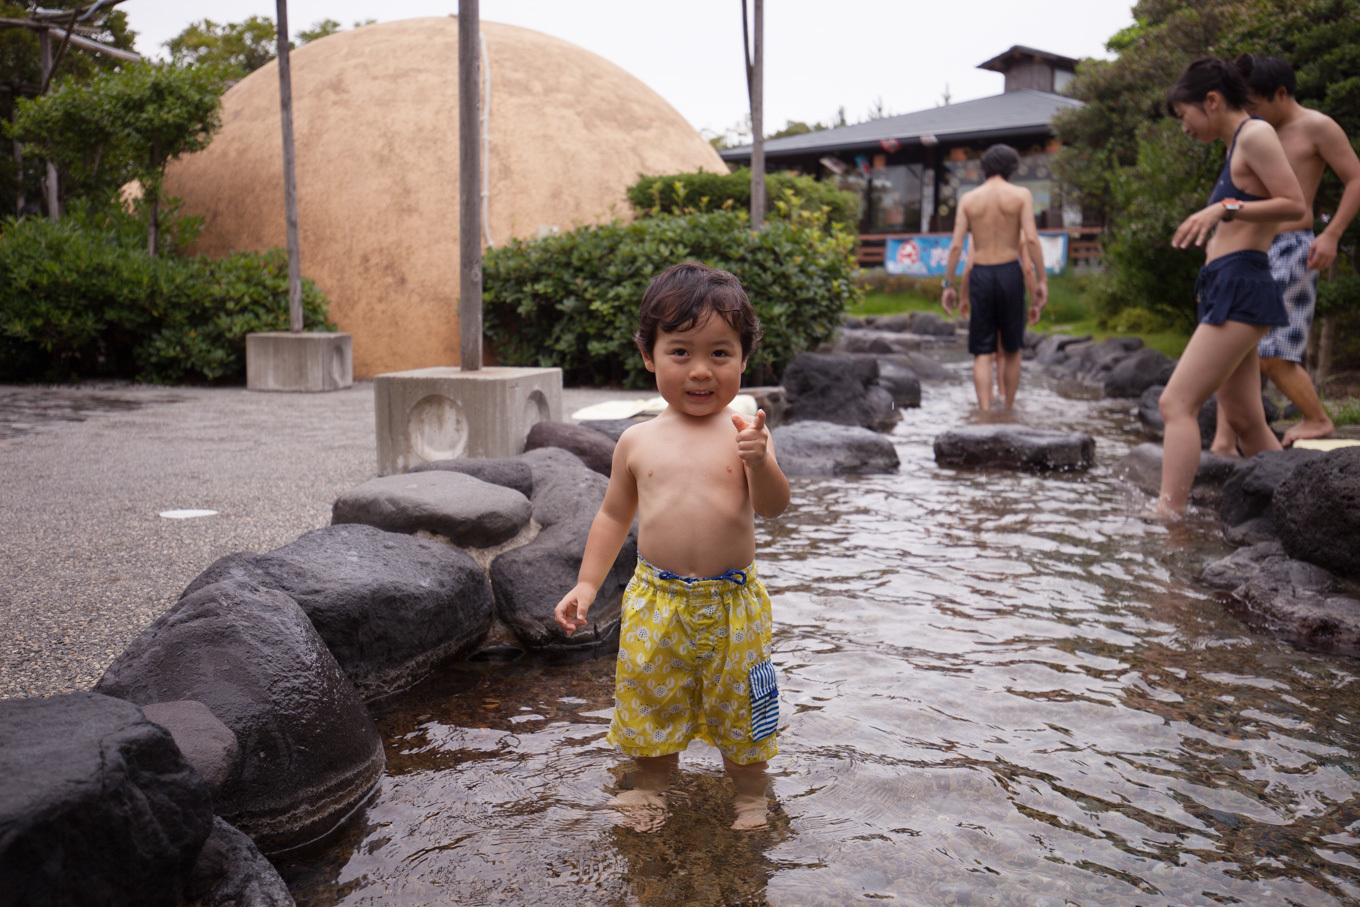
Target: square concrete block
[(307, 361), (445, 413)]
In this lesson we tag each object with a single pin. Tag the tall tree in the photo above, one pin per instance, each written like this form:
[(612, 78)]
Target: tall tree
[(238, 47), (124, 125)]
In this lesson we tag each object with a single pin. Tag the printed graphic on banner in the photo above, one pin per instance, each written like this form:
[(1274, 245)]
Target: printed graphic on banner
[(926, 255)]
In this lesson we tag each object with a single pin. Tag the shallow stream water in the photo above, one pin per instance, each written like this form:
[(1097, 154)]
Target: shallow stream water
[(1000, 690)]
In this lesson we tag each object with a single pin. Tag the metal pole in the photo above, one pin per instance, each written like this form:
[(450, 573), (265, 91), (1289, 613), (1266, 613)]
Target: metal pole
[(53, 193), (757, 120), (469, 189), (290, 202)]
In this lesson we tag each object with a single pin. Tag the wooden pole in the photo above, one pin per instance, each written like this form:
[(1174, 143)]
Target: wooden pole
[(757, 88), (290, 201), (469, 189), (53, 193)]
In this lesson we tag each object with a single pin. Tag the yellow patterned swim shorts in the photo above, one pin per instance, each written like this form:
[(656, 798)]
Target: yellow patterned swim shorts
[(694, 661)]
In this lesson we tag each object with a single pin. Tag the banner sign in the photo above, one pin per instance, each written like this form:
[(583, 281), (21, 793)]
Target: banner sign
[(926, 255)]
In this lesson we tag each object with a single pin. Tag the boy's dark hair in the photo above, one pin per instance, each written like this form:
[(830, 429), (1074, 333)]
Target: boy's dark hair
[(1203, 76), (1266, 75), (683, 295), (1000, 160)]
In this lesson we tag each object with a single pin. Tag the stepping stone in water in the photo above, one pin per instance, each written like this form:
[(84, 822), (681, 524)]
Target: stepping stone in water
[(1015, 447)]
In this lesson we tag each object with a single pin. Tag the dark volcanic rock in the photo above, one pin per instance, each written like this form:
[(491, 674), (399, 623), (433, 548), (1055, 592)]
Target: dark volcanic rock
[(1245, 511), (1053, 348), (97, 806), (465, 510), (928, 369), (1317, 510), (231, 872), (308, 749), (610, 428), (930, 324), (1015, 447), (593, 449), (874, 341), (1304, 604), (1142, 467), (207, 743), (841, 389), (530, 580), (827, 449), (1134, 374), (389, 606), (506, 472), (1242, 565)]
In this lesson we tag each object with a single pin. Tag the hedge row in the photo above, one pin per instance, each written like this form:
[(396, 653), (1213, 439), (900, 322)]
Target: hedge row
[(571, 300), (685, 193), (80, 298)]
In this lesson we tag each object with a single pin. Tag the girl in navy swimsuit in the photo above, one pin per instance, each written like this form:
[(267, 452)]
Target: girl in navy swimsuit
[(1236, 297)]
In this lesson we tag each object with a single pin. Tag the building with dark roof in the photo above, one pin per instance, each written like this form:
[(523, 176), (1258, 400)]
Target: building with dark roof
[(910, 170)]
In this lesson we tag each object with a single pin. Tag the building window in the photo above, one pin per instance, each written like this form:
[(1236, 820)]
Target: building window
[(896, 202)]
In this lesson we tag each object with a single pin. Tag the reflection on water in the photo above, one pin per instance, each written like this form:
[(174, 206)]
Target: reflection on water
[(1002, 692)]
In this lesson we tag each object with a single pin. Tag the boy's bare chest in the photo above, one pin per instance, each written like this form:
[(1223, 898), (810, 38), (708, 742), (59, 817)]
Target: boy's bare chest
[(684, 466)]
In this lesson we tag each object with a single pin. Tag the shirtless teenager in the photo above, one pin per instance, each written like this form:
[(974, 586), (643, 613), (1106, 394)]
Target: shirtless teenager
[(1001, 219), (1312, 142)]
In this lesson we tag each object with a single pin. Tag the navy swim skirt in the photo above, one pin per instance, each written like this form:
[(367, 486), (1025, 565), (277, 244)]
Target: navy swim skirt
[(1239, 287)]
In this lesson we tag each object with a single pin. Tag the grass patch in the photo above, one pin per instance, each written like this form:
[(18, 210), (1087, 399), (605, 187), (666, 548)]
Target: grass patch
[(1344, 411), (1067, 312)]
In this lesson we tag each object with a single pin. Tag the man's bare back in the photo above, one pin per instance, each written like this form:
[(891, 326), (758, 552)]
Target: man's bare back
[(994, 213)]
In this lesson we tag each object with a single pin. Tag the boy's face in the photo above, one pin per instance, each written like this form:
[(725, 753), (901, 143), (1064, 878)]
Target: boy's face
[(1269, 108), (698, 371)]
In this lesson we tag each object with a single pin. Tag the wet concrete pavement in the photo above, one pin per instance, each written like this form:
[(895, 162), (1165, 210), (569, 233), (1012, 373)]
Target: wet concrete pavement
[(86, 562)]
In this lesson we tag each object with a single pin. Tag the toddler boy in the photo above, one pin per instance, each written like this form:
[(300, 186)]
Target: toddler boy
[(694, 651)]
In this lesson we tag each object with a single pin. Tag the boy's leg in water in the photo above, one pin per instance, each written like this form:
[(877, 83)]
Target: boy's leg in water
[(1008, 375), (982, 379), (752, 800), (1214, 353), (1293, 381), (644, 807)]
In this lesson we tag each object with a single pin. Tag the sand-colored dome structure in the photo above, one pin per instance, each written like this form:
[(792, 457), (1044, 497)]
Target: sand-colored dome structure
[(376, 124)]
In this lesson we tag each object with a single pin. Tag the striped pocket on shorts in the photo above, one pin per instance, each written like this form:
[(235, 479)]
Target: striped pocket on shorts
[(764, 700)]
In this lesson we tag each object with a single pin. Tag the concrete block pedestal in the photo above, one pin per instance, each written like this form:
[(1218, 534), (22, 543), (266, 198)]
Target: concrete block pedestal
[(306, 361), (446, 413)]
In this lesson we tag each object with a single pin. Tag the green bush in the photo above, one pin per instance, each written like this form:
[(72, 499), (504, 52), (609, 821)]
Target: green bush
[(571, 300), (80, 298), (697, 193)]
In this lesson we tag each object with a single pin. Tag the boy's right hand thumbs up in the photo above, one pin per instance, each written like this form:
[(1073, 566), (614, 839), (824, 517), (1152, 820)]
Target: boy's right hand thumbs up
[(570, 612)]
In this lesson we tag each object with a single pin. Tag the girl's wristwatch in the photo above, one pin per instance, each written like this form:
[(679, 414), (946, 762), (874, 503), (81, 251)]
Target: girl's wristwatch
[(1230, 208)]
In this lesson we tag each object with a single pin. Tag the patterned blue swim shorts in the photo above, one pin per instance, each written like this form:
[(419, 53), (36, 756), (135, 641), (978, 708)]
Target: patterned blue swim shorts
[(1298, 286)]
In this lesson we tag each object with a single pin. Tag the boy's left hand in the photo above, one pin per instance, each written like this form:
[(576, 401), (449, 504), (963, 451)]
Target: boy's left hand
[(753, 439)]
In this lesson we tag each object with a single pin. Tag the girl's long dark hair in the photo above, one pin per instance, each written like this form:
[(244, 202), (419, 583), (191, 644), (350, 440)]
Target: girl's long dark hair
[(1203, 76)]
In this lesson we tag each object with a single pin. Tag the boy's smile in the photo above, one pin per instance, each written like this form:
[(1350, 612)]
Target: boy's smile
[(698, 371)]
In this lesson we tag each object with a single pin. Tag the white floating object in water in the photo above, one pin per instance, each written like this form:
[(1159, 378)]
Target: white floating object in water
[(186, 514), (744, 404), (1325, 443), (611, 409)]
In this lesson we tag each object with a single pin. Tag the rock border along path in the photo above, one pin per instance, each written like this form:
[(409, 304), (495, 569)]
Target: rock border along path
[(86, 562)]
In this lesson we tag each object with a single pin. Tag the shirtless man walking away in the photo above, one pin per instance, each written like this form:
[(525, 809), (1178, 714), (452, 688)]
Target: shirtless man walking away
[(1001, 218), (1312, 142)]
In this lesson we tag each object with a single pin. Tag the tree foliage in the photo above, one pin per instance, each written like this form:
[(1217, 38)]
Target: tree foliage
[(698, 192), (124, 125), (237, 48)]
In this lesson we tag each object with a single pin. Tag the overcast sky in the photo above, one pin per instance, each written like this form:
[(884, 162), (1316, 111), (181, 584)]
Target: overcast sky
[(819, 55)]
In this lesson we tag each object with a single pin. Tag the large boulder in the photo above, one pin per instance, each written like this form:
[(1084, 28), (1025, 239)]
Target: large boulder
[(1242, 565), (926, 368), (206, 743), (897, 377), (593, 448), (872, 341), (1092, 363), (1317, 510), (1304, 604), (1245, 511), (930, 324), (508, 472), (97, 806), (1052, 349), (308, 749), (1011, 446), (1142, 468), (467, 511), (231, 872), (530, 580), (389, 606), (841, 389), (612, 429), (828, 449), (1134, 374)]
